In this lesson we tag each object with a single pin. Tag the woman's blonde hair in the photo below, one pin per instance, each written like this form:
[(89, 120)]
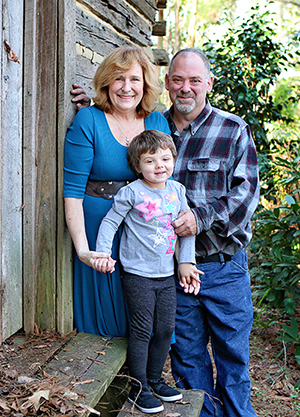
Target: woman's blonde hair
[(116, 63)]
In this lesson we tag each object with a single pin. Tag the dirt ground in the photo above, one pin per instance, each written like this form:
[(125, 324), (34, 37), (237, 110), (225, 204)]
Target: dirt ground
[(273, 370)]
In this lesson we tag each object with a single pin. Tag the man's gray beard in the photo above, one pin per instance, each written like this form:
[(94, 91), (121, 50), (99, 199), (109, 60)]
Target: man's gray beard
[(184, 108)]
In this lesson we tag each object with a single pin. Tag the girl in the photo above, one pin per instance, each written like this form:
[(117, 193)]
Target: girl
[(148, 207)]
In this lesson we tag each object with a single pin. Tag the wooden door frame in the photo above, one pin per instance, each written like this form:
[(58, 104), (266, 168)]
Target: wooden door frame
[(49, 70), (11, 168)]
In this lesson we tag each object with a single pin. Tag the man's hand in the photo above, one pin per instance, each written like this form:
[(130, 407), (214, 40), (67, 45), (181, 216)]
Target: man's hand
[(185, 224), (80, 98)]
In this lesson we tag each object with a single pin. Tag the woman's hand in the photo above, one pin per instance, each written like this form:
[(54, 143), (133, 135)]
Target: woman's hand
[(100, 261)]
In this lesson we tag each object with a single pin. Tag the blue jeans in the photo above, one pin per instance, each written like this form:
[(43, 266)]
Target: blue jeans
[(222, 311)]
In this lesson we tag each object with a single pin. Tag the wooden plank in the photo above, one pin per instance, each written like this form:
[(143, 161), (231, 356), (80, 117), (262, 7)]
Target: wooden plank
[(161, 57), (161, 4), (89, 358), (159, 28), (122, 18), (40, 152), (146, 7), (29, 170), (94, 35), (85, 71), (190, 406), (66, 112), (11, 169)]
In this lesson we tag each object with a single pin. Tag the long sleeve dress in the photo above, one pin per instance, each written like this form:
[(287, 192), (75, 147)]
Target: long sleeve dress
[(92, 152)]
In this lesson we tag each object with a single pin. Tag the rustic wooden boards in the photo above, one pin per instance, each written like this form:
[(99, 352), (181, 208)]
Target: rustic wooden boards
[(125, 20), (189, 406), (65, 116), (11, 203), (40, 163), (49, 60), (92, 359)]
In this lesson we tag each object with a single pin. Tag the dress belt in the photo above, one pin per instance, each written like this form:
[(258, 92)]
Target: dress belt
[(104, 189), (216, 257)]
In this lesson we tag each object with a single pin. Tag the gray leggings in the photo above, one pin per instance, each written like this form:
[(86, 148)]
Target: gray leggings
[(152, 307)]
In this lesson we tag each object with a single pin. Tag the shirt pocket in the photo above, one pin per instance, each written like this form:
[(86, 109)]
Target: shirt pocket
[(206, 180)]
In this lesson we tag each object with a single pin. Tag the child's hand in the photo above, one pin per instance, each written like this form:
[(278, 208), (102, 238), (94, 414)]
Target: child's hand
[(189, 278), (104, 264)]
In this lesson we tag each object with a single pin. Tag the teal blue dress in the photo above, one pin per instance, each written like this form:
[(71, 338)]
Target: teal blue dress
[(92, 152)]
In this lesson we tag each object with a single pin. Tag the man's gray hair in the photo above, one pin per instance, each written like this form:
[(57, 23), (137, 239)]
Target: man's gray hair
[(185, 52)]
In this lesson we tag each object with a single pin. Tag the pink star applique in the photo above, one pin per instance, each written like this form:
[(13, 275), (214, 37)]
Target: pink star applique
[(167, 222), (150, 207), (171, 248)]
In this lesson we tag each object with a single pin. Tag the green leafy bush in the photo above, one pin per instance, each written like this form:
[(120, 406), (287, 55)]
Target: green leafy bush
[(291, 335), (275, 247), (246, 64)]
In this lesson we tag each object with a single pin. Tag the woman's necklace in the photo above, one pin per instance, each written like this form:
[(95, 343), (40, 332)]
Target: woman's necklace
[(122, 131)]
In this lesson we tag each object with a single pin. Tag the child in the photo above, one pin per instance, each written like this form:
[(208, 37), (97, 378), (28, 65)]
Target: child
[(148, 207)]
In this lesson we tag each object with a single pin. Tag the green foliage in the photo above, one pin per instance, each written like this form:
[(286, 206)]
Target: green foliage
[(287, 93), (291, 335), (275, 247), (246, 64)]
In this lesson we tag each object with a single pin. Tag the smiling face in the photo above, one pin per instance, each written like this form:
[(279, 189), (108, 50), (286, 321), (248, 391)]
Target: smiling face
[(156, 168), (188, 83), (126, 91)]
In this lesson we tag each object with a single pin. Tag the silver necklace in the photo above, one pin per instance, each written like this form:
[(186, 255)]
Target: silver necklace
[(122, 131)]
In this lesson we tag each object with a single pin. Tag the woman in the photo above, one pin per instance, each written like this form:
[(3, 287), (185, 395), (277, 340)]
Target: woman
[(95, 168)]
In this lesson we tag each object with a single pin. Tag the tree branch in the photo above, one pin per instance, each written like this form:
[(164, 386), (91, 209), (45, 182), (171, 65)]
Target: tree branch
[(290, 2)]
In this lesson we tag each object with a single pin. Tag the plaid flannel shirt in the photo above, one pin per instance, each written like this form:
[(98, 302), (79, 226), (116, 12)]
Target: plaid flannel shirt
[(217, 164)]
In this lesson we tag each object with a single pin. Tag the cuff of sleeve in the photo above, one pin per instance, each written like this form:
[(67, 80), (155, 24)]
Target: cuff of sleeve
[(203, 218), (198, 220)]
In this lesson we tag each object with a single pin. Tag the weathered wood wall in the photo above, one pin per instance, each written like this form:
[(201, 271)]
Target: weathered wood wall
[(40, 163), (49, 59), (101, 26), (11, 168), (62, 41), (78, 36)]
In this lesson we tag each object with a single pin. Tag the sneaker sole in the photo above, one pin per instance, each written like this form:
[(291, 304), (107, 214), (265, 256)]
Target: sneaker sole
[(169, 399), (147, 410)]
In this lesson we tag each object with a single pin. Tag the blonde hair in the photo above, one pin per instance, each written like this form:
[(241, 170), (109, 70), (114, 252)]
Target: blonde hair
[(116, 63), (149, 141)]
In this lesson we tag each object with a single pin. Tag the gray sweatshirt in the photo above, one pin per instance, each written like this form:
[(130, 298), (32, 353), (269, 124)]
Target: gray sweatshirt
[(148, 240)]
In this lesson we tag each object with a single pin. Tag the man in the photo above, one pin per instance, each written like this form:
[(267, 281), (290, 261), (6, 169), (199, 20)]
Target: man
[(217, 164)]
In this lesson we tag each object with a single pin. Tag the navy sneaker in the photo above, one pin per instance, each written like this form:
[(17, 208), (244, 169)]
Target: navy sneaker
[(164, 392), (144, 401)]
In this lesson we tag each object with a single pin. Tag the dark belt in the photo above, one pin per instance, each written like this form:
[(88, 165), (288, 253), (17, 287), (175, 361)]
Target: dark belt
[(216, 257), (104, 189)]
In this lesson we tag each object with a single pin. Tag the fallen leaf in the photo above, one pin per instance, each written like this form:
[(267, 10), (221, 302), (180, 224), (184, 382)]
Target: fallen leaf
[(24, 379), (90, 409), (100, 352), (40, 347), (11, 373), (173, 415), (88, 381), (35, 399), (4, 406), (10, 54), (71, 395)]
